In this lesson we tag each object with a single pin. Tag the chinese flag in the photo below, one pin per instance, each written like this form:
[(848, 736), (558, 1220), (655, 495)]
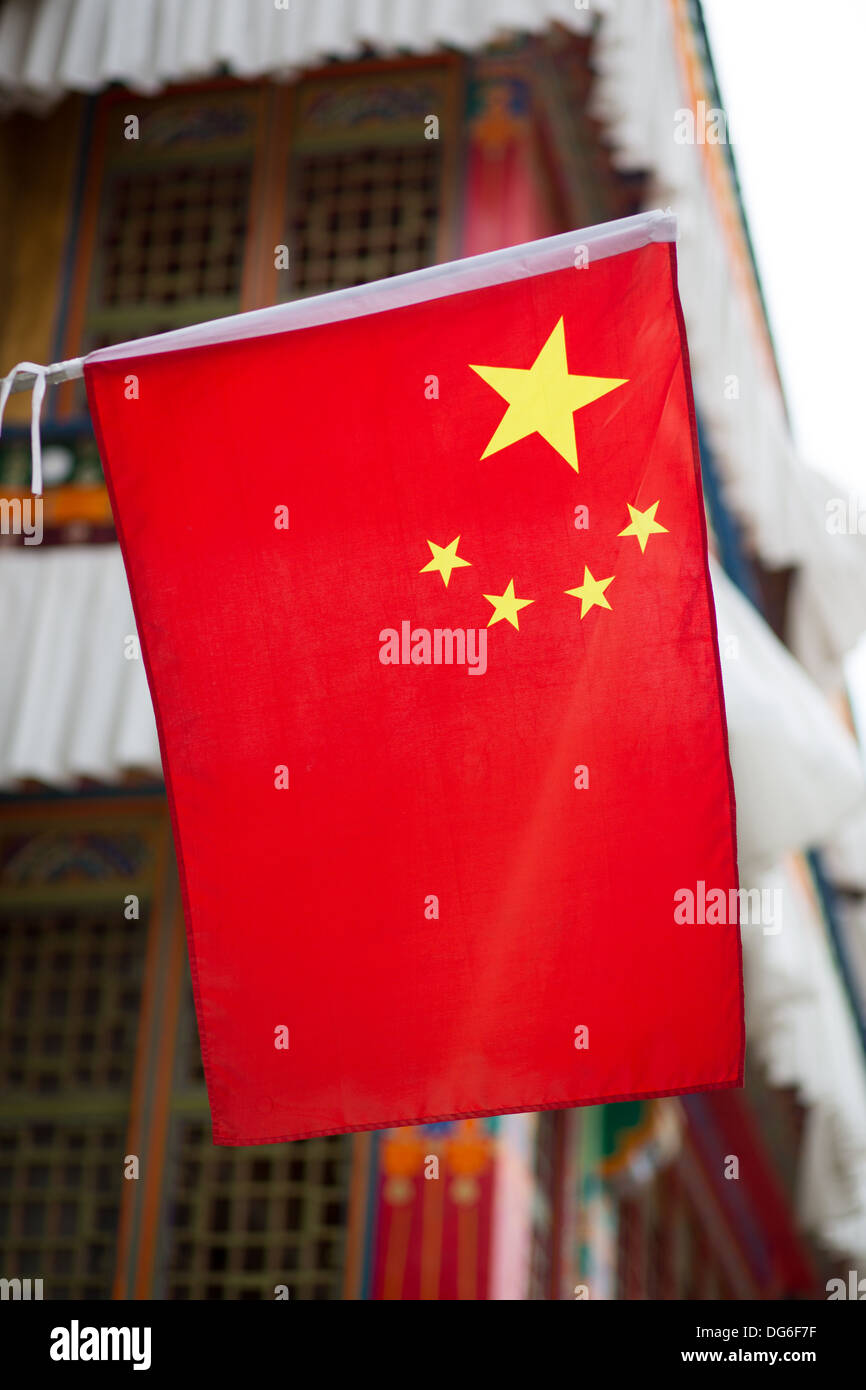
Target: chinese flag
[(420, 577)]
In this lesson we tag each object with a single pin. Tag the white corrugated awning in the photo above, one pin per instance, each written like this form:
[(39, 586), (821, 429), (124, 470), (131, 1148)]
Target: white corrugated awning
[(72, 705), (49, 47), (798, 774), (845, 855)]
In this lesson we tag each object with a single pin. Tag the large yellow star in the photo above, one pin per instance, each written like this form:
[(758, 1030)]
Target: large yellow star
[(643, 525), (542, 398), (507, 606), (591, 592), (445, 559)]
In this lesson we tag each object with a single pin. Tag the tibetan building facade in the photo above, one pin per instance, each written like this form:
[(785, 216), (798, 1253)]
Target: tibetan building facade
[(142, 193)]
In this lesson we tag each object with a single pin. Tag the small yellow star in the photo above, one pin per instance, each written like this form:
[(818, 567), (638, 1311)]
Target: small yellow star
[(507, 606), (591, 592), (542, 398), (445, 559), (643, 525)]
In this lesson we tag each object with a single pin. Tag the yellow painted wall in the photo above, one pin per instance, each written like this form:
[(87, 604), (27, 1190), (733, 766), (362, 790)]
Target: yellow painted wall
[(38, 156)]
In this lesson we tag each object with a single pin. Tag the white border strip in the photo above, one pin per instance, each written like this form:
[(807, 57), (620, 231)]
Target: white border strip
[(455, 277)]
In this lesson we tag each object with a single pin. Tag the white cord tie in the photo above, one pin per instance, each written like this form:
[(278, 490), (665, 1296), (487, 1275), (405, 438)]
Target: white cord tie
[(39, 374)]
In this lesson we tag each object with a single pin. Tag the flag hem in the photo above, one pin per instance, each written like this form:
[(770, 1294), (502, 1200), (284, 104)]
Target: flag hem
[(531, 1108)]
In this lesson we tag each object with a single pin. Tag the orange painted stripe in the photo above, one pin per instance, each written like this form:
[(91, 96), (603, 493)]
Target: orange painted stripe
[(69, 503)]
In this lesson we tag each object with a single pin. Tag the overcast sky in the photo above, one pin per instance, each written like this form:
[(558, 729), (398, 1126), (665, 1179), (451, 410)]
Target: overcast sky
[(792, 74)]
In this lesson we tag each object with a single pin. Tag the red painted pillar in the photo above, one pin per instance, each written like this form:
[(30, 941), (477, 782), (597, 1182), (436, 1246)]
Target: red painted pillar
[(507, 197)]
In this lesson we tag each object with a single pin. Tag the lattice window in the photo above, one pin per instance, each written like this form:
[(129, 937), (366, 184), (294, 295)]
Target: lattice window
[(369, 194), (239, 1222), (170, 212), (71, 985), (71, 971), (71, 988), (242, 1222), (59, 1205), (172, 236), (362, 215)]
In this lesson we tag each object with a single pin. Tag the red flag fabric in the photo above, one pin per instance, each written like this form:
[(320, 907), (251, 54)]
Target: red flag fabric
[(420, 578)]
